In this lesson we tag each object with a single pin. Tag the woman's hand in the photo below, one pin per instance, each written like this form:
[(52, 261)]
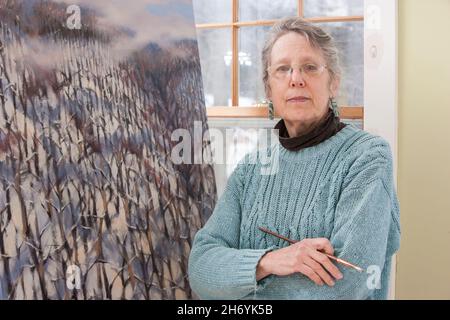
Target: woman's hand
[(304, 257)]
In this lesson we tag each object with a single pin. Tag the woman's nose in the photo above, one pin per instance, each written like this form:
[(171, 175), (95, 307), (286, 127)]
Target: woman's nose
[(297, 78)]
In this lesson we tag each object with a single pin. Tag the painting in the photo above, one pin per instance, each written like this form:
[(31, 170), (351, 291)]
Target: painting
[(91, 204)]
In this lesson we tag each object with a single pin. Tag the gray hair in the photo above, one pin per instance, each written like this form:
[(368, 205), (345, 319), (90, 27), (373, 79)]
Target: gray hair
[(315, 35)]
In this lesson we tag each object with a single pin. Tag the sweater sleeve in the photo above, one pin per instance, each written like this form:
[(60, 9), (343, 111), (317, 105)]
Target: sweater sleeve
[(366, 230), (218, 269)]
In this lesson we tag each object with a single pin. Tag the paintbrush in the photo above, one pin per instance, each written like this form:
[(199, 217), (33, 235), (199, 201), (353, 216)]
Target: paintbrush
[(345, 263)]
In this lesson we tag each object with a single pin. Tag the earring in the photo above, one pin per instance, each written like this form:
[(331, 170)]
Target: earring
[(271, 112), (334, 106)]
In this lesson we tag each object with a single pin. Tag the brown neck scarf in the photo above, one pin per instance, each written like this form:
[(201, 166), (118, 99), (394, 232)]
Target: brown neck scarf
[(327, 128)]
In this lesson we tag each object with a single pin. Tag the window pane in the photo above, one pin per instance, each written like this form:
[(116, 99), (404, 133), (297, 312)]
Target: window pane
[(215, 57), (209, 11), (320, 8), (349, 37), (251, 42), (266, 9)]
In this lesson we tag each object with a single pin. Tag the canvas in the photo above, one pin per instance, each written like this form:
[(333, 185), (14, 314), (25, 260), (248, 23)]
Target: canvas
[(91, 204)]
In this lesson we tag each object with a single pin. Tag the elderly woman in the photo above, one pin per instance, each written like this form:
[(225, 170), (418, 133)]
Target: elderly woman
[(333, 193)]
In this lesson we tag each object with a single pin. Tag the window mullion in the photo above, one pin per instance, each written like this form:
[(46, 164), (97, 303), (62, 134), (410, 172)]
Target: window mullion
[(235, 55), (300, 8)]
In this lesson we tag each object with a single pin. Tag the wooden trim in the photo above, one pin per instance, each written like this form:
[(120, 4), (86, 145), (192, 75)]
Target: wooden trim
[(300, 12), (235, 56), (237, 112), (256, 23), (213, 25), (336, 19), (235, 8), (351, 113), (271, 22)]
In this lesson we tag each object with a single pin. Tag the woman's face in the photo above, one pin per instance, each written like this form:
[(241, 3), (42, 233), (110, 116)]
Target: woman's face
[(299, 97)]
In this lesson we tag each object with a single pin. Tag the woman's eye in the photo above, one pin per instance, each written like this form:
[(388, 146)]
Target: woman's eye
[(283, 68), (311, 68)]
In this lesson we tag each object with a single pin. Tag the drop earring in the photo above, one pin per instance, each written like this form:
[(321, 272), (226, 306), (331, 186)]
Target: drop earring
[(334, 107), (271, 113)]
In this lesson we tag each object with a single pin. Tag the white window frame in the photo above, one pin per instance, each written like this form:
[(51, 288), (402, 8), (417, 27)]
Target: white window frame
[(380, 81)]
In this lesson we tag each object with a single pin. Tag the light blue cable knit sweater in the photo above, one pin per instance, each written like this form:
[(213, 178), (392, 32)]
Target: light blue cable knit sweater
[(341, 189)]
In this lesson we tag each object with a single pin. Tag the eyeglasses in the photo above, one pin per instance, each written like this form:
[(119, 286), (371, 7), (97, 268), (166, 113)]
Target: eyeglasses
[(284, 71)]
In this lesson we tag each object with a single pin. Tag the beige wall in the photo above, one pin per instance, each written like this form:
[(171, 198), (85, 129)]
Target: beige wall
[(423, 264)]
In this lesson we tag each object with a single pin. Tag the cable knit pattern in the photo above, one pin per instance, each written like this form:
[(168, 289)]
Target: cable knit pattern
[(341, 189)]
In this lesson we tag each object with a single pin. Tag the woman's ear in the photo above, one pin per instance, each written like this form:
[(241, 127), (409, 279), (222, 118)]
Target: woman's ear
[(334, 86), (268, 93)]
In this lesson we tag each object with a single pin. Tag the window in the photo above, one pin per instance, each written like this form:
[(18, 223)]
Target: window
[(231, 34)]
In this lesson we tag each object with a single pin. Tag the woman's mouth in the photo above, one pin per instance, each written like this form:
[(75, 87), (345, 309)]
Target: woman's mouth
[(298, 99)]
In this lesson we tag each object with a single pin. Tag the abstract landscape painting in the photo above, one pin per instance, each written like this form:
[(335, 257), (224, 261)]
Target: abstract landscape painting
[(91, 205)]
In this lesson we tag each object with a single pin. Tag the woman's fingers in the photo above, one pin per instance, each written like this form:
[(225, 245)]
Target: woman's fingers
[(327, 264), (318, 262), (322, 244), (311, 274), (319, 270)]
